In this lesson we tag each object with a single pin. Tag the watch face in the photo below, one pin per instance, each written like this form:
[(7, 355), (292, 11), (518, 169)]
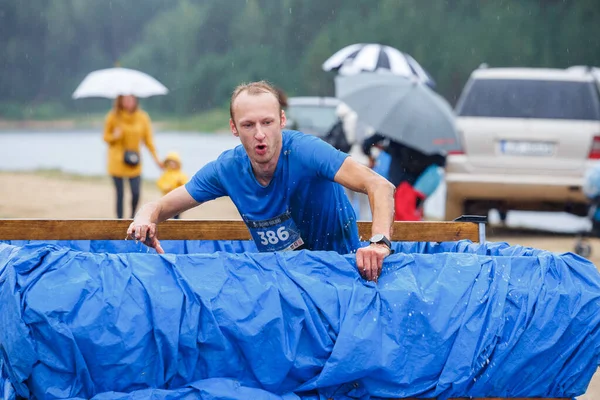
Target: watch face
[(377, 238)]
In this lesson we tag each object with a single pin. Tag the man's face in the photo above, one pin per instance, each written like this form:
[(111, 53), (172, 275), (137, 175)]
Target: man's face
[(258, 124)]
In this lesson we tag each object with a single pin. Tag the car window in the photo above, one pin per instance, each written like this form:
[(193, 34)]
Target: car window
[(312, 119), (519, 98)]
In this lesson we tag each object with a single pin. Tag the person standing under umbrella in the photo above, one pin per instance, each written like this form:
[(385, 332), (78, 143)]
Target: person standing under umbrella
[(412, 173), (418, 122), (126, 127)]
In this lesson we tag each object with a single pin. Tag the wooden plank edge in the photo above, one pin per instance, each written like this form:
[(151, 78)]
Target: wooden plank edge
[(114, 229)]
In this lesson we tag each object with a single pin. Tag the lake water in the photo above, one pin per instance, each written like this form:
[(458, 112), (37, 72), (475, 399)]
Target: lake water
[(84, 152)]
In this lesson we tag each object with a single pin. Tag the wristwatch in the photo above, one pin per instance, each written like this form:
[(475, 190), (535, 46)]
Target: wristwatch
[(381, 239)]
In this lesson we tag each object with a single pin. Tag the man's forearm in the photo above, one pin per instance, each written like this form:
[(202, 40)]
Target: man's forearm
[(360, 178), (151, 211), (156, 212), (175, 202), (381, 197)]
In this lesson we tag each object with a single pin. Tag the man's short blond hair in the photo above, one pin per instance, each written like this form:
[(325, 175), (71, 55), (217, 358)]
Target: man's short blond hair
[(254, 88)]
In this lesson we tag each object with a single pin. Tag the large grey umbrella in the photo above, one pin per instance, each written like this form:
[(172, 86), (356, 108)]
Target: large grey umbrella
[(403, 109)]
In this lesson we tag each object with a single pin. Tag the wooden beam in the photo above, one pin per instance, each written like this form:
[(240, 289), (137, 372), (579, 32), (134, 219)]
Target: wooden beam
[(113, 229)]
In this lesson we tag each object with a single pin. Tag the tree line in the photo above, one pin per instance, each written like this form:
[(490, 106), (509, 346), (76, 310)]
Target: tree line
[(201, 49)]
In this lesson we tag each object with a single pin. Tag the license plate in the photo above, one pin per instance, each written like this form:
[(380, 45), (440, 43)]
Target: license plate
[(521, 148)]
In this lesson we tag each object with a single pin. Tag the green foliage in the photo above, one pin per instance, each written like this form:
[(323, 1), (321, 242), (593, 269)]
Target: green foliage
[(41, 111), (202, 49), (215, 120)]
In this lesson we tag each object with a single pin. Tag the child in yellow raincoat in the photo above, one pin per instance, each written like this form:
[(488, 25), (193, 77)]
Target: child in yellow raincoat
[(173, 176)]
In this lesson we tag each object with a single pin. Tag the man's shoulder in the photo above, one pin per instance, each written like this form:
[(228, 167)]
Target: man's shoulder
[(289, 134), (231, 158), (297, 138)]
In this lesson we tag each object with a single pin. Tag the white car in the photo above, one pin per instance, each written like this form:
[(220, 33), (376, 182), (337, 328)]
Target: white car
[(311, 114), (528, 135)]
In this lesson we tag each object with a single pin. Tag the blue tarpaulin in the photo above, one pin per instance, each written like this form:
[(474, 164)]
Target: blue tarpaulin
[(216, 320)]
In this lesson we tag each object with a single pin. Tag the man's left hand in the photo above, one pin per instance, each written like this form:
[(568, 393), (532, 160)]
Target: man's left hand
[(369, 260)]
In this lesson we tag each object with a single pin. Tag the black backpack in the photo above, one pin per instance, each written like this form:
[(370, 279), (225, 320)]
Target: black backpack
[(337, 137)]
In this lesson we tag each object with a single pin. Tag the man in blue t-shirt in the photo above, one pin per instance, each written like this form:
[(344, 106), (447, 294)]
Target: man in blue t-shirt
[(286, 186)]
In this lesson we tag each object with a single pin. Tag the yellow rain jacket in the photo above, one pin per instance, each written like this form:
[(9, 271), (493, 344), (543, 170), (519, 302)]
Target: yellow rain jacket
[(172, 178), (135, 128)]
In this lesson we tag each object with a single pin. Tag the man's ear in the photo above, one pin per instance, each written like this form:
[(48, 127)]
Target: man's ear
[(233, 128), (283, 119)]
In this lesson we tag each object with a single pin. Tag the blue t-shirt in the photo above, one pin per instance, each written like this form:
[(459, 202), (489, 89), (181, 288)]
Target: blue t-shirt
[(301, 206)]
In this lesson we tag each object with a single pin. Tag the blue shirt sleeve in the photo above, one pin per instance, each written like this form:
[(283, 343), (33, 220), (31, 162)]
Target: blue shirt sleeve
[(319, 156), (206, 185)]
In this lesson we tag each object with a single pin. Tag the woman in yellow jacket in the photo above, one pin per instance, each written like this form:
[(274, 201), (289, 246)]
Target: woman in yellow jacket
[(125, 128)]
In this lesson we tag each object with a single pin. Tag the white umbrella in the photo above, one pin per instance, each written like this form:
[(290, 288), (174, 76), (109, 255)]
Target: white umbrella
[(112, 82), (372, 57)]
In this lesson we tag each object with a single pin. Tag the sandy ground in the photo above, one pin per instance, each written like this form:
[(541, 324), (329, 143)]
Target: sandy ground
[(56, 195), (49, 194)]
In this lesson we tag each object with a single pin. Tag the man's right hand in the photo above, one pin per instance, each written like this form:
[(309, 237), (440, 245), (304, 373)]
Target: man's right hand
[(146, 232)]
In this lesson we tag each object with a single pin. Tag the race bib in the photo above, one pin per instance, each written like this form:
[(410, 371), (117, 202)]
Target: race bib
[(275, 234)]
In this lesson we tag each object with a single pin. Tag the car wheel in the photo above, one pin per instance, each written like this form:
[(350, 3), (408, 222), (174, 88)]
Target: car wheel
[(583, 249)]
